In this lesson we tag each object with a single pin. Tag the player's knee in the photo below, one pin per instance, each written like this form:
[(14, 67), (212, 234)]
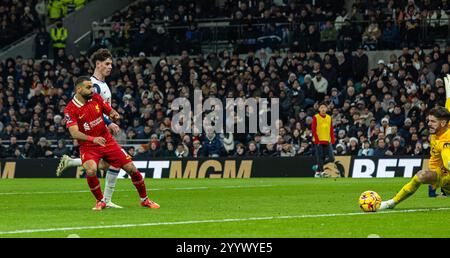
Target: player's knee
[(130, 169), (91, 172), (426, 176)]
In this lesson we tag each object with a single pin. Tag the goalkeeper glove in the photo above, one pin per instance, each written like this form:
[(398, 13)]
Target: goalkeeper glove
[(447, 85)]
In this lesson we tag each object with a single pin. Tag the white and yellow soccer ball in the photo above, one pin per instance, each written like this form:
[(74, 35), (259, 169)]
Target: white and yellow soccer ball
[(369, 201)]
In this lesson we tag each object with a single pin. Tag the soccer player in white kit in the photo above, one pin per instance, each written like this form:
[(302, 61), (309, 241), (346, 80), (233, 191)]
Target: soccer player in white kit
[(102, 60)]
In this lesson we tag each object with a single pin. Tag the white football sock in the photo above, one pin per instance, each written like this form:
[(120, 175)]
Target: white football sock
[(110, 183), (74, 163)]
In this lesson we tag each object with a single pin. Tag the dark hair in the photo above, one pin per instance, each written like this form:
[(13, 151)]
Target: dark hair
[(323, 103), (81, 79), (440, 113), (101, 55)]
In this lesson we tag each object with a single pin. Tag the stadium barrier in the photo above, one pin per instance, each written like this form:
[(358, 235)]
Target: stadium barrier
[(300, 166)]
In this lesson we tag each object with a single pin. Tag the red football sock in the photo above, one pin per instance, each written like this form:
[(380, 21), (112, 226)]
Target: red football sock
[(139, 183), (94, 185)]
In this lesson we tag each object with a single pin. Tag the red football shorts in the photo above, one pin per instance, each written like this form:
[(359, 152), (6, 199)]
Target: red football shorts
[(111, 153)]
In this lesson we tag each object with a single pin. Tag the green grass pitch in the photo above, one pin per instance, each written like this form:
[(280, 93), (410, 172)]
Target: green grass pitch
[(228, 208)]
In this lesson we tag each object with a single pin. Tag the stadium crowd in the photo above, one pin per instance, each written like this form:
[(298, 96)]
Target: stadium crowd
[(21, 17), (379, 111), (163, 26)]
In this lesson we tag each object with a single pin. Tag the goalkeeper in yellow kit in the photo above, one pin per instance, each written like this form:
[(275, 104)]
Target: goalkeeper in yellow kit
[(438, 174)]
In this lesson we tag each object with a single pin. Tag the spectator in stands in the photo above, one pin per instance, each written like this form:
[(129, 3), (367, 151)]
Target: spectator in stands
[(360, 64), (212, 145), (390, 37), (320, 85), (169, 150), (43, 148), (312, 38), (371, 35), (366, 150), (153, 151), (140, 39), (380, 150), (42, 43), (412, 20), (328, 37), (99, 42), (240, 150), (181, 151), (287, 150), (61, 149), (252, 149), (131, 151), (197, 150), (28, 20), (348, 36)]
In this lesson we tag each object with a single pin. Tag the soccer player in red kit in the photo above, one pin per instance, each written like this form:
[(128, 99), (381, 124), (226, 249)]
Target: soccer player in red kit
[(84, 115)]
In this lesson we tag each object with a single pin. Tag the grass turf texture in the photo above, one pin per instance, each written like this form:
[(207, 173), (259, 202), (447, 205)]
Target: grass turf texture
[(295, 207)]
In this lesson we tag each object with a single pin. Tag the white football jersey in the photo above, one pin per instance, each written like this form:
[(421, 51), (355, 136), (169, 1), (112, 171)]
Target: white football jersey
[(102, 88)]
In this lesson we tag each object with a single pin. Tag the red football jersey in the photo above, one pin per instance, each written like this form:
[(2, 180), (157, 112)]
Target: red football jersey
[(89, 118)]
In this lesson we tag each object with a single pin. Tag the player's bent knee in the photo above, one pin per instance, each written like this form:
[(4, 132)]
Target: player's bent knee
[(130, 168), (91, 172), (426, 176)]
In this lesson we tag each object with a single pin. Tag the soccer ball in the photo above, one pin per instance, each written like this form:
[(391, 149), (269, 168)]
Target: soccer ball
[(369, 201)]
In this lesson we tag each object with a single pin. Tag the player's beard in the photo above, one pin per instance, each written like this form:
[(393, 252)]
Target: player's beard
[(87, 97)]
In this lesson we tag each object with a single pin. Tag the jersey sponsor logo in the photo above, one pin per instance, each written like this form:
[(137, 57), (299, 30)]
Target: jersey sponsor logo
[(96, 122)]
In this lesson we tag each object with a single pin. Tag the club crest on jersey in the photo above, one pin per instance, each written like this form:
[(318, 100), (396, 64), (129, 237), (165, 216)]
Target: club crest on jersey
[(97, 108)]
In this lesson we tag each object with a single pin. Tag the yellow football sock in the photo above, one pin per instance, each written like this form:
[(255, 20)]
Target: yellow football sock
[(407, 190)]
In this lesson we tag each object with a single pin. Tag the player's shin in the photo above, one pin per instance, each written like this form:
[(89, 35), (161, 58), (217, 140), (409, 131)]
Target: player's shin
[(110, 183), (94, 185), (139, 183), (407, 190)]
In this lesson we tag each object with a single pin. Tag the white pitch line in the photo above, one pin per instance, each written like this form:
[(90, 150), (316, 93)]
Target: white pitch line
[(215, 221), (132, 190)]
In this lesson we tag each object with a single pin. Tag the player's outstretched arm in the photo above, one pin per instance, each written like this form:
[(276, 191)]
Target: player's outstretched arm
[(447, 91), (76, 134)]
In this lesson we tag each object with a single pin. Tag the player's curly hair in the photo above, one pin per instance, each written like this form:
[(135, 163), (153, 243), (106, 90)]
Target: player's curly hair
[(440, 113), (101, 55)]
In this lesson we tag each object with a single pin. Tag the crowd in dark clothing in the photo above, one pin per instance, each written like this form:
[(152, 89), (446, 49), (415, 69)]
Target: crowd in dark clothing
[(379, 111), (153, 27), (17, 19)]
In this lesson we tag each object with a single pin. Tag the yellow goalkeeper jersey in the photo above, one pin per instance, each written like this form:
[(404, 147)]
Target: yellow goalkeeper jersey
[(440, 149)]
